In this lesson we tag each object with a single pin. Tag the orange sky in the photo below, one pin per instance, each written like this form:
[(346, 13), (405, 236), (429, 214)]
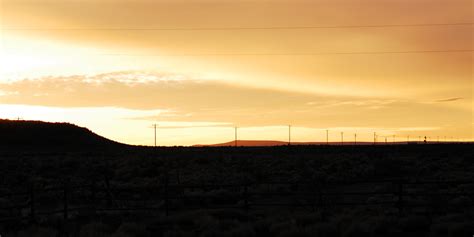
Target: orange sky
[(119, 66)]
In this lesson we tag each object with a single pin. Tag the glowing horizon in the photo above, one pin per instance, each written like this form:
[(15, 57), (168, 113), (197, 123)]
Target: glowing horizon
[(117, 67)]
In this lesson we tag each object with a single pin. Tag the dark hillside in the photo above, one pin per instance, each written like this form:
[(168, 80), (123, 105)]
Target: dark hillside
[(62, 180), (383, 190), (36, 134)]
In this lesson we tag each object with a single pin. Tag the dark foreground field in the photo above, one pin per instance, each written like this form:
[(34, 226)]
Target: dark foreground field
[(398, 190)]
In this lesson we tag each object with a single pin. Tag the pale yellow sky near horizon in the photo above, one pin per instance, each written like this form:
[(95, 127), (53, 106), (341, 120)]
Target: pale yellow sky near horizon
[(200, 67)]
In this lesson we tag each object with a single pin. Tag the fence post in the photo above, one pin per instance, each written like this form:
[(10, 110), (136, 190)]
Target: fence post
[(93, 193), (178, 180), (313, 196), (65, 203), (166, 195), (32, 204), (246, 198), (400, 198), (321, 203), (109, 195)]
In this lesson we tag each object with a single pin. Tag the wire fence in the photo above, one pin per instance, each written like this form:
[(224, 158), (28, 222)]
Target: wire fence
[(69, 200)]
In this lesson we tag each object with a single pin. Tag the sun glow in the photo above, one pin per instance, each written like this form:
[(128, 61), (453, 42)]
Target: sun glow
[(12, 64), (76, 60), (22, 58)]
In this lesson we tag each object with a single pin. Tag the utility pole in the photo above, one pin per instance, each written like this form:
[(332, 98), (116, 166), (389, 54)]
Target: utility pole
[(289, 135), (355, 138), (408, 139), (327, 137), (154, 126), (235, 134), (342, 138)]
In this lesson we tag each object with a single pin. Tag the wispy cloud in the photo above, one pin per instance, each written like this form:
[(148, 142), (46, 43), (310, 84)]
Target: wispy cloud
[(416, 129), (179, 125), (185, 99), (449, 99), (140, 90), (366, 103)]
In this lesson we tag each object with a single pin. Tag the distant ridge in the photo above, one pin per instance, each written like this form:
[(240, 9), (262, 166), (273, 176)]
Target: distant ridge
[(247, 143), (264, 143), (46, 135), (275, 143)]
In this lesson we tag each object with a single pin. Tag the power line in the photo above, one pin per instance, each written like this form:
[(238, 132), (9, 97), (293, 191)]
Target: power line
[(321, 53), (243, 28), (296, 54)]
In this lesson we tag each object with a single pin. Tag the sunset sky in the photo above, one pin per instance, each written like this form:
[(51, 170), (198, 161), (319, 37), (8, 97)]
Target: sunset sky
[(198, 68)]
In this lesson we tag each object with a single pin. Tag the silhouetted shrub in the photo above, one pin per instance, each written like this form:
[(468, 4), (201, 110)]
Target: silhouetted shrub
[(37, 231), (414, 223), (356, 230), (277, 228), (95, 230), (461, 229), (296, 232), (132, 230)]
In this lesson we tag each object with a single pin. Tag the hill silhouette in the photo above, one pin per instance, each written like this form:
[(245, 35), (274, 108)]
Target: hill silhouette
[(46, 135)]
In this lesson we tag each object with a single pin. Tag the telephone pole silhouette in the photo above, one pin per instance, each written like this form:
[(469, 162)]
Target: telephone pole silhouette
[(327, 137), (289, 135), (235, 135), (355, 138), (375, 138), (154, 127)]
